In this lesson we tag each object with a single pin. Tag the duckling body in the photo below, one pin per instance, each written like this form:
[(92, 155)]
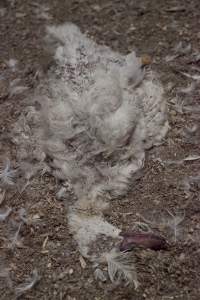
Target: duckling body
[(100, 111)]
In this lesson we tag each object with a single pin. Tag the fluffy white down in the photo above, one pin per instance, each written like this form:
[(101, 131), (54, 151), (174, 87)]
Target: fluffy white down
[(99, 112)]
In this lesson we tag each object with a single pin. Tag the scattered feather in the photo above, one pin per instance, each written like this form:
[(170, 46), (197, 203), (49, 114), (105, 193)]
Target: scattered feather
[(195, 109), (186, 187), (191, 134), (29, 171), (194, 178), (141, 227), (23, 215), (192, 129), (172, 162), (182, 49), (15, 241), (7, 175), (121, 267), (188, 89), (99, 275), (42, 12), (179, 50), (5, 214), (166, 221), (178, 105), (61, 194), (181, 161), (12, 63), (16, 90), (24, 187), (169, 58), (15, 87), (174, 222), (196, 57), (188, 182), (195, 76), (5, 274), (28, 284)]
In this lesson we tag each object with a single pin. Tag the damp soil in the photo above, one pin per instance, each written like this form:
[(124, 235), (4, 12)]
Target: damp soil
[(153, 27)]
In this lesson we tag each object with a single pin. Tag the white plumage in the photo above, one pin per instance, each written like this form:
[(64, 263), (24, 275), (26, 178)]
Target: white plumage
[(100, 111)]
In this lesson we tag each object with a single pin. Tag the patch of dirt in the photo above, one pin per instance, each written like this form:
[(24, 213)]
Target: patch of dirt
[(166, 187)]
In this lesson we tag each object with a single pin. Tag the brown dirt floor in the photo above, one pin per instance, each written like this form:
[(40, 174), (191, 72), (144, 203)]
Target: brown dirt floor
[(154, 27)]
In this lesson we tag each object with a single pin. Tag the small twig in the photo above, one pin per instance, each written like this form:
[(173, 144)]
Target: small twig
[(2, 196), (176, 9)]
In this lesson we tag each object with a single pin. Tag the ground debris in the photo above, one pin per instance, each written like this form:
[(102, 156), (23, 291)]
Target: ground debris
[(175, 9), (82, 262)]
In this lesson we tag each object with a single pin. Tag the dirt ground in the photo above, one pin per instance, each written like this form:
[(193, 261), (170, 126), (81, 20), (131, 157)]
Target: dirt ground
[(167, 195)]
